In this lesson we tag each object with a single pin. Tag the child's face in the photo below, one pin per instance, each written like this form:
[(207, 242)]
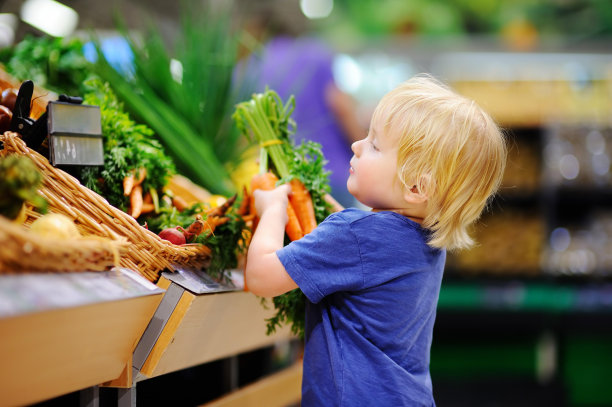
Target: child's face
[(373, 176)]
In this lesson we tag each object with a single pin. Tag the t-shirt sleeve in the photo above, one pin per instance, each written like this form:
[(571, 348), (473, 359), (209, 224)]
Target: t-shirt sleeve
[(324, 261)]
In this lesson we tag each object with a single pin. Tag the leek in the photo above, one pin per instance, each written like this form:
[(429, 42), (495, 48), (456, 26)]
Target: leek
[(190, 111)]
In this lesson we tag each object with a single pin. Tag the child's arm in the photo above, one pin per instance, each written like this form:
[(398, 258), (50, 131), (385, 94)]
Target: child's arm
[(265, 274)]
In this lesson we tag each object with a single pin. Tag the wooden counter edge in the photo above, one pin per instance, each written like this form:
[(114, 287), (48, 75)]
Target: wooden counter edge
[(277, 390)]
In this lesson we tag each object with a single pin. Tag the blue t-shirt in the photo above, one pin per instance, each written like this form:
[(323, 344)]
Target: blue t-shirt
[(372, 284)]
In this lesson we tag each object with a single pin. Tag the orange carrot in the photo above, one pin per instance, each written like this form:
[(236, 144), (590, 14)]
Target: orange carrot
[(223, 208), (244, 204), (293, 228), (142, 173), (147, 207), (179, 203), (130, 180), (212, 222), (249, 217), (195, 229), (128, 184), (302, 204), (136, 201), (197, 226), (267, 181)]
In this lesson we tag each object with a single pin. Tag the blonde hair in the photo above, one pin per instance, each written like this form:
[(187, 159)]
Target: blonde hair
[(450, 149)]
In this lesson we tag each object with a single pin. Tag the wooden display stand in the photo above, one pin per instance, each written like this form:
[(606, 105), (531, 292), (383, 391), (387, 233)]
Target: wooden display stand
[(62, 348), (278, 390), (190, 329)]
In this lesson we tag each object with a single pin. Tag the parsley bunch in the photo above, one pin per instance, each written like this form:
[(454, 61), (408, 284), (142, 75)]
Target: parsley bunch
[(56, 64), (127, 146)]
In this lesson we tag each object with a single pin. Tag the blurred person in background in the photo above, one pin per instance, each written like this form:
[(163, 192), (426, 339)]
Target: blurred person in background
[(292, 63)]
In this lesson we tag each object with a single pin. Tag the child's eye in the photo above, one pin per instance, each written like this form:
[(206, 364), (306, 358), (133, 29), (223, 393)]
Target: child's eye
[(374, 146)]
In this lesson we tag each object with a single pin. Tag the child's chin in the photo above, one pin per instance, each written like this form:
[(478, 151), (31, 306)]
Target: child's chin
[(352, 192)]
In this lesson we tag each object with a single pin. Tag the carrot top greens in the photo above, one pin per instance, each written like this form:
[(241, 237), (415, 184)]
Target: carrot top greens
[(266, 120)]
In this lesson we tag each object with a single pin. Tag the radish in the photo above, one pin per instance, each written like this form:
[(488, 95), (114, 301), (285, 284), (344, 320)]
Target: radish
[(173, 235)]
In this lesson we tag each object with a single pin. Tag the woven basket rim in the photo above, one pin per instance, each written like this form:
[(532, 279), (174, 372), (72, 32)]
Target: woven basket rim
[(146, 253)]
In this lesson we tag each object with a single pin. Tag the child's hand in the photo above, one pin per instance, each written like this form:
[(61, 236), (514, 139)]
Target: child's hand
[(265, 274), (276, 198)]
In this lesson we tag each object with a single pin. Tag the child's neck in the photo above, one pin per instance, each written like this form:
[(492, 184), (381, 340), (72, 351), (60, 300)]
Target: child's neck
[(404, 212)]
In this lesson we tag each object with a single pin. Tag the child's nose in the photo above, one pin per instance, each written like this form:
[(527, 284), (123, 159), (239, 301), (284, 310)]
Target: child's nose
[(355, 146)]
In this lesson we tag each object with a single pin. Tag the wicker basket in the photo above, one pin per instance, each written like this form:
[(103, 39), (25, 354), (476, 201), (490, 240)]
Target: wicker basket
[(145, 253), (24, 251)]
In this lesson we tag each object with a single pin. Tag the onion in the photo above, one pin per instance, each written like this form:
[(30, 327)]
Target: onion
[(9, 97), (173, 235), (5, 118), (55, 225)]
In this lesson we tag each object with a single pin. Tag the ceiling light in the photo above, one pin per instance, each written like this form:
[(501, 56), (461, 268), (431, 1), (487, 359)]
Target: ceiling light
[(8, 24), (50, 17), (316, 8)]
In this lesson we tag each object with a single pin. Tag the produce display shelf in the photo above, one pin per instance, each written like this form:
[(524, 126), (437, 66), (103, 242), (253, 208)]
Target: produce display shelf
[(551, 336), (283, 388), (196, 323), (527, 296), (532, 89), (70, 331)]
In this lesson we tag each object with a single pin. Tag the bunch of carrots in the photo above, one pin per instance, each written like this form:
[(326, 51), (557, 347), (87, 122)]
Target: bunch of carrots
[(132, 187), (144, 202), (300, 210), (269, 121)]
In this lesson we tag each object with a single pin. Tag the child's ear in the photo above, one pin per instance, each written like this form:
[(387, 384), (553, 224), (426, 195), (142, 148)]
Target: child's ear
[(417, 193), (414, 195)]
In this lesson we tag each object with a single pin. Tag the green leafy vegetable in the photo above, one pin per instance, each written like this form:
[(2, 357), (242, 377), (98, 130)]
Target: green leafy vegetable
[(19, 182), (189, 107), (290, 308), (127, 146), (308, 166), (56, 64), (226, 243)]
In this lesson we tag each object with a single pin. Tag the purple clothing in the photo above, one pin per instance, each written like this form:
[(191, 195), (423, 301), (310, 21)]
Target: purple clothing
[(303, 67)]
